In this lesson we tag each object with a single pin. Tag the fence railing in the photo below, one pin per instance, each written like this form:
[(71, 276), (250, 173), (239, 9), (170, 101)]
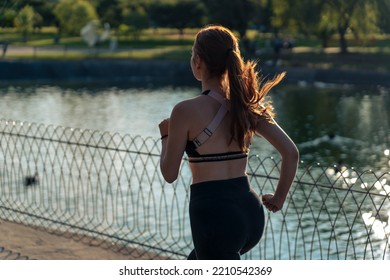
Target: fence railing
[(6, 254), (106, 189)]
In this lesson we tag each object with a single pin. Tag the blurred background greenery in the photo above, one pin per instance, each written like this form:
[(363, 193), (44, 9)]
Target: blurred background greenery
[(317, 31)]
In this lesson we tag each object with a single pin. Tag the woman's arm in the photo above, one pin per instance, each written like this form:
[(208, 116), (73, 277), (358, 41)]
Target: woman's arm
[(275, 135), (173, 145)]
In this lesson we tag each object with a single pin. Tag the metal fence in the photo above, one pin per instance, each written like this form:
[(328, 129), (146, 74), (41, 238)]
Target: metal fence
[(6, 254), (106, 189)]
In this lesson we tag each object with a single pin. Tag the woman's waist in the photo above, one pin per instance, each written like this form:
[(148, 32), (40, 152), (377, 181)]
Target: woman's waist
[(234, 184), (206, 173)]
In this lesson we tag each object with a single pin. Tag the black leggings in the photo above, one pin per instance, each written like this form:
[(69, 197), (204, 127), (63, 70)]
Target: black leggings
[(227, 219)]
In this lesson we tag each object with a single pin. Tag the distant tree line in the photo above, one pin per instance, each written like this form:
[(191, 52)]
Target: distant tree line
[(320, 18)]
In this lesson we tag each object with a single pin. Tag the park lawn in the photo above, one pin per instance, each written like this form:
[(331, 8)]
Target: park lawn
[(150, 38), (358, 58), (168, 44)]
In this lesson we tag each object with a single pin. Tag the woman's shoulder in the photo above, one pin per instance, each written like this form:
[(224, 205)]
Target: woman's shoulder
[(189, 105)]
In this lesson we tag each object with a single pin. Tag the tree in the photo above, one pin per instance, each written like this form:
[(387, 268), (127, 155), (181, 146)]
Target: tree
[(43, 10), (263, 14), (74, 15), (137, 20), (109, 11), (358, 16), (24, 21), (234, 14), (309, 23), (383, 8), (160, 14), (343, 11), (323, 18), (281, 15), (180, 15), (188, 13), (315, 20), (7, 17)]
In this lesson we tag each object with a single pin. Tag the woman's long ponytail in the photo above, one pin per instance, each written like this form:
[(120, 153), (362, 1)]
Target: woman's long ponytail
[(218, 48), (247, 97)]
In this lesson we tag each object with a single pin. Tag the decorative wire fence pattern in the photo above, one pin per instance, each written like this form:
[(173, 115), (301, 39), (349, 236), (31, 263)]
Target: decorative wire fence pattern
[(106, 189), (10, 255)]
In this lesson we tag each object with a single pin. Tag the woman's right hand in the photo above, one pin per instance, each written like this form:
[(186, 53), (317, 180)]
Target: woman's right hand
[(164, 127), (272, 203)]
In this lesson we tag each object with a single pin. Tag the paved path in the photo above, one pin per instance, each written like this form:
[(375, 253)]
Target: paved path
[(22, 242)]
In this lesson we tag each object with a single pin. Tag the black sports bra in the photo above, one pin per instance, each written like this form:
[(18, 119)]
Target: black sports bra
[(193, 154)]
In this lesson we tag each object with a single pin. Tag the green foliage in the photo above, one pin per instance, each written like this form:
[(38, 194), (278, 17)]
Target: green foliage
[(123, 30), (42, 8), (235, 14), (179, 15), (7, 17), (109, 11), (326, 18), (136, 20), (24, 21), (323, 19), (383, 18), (73, 15)]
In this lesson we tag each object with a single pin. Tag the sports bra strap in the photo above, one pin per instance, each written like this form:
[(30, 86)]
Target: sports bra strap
[(213, 125), (217, 97)]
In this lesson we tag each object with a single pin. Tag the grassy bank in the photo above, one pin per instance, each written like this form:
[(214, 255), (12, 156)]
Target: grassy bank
[(167, 44)]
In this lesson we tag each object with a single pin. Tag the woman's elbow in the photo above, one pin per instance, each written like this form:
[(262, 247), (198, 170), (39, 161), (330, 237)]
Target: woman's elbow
[(291, 153), (169, 176), (294, 153)]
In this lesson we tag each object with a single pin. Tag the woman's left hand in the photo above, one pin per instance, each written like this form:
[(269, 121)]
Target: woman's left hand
[(164, 127)]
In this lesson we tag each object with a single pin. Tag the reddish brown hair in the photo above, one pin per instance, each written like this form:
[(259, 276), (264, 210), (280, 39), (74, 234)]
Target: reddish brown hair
[(218, 47)]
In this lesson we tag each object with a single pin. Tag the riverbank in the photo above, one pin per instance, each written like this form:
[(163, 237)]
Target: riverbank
[(154, 73)]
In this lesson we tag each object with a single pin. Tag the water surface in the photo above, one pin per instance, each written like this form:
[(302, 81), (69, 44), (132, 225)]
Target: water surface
[(331, 125)]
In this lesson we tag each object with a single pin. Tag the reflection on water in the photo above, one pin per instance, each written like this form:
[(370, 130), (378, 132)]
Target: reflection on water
[(127, 111), (333, 126), (336, 125)]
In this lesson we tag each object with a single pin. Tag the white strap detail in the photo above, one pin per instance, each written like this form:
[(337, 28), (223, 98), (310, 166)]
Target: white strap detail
[(217, 97), (209, 130)]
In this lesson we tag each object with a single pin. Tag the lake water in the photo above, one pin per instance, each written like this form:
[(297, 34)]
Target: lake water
[(331, 125)]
